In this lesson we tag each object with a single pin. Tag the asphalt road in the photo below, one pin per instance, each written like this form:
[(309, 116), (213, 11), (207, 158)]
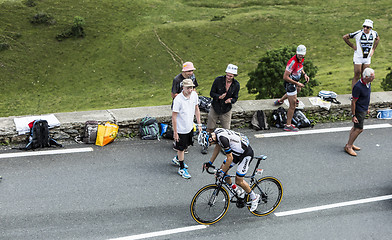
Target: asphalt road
[(130, 187)]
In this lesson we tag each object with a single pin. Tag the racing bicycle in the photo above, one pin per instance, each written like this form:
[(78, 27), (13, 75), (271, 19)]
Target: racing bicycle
[(211, 202)]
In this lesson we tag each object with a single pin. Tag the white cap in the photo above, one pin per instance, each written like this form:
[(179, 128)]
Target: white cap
[(301, 50), (231, 68), (368, 23)]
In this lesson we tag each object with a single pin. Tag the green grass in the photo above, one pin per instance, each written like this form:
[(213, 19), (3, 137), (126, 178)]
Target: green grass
[(121, 63)]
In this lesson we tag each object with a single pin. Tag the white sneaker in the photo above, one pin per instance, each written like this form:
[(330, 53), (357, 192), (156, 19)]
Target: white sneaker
[(177, 163), (184, 173), (255, 203)]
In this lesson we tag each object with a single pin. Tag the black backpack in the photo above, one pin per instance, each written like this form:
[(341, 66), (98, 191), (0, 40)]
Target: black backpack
[(205, 104), (167, 131), (149, 129), (279, 117), (259, 121), (90, 132), (300, 120), (39, 136)]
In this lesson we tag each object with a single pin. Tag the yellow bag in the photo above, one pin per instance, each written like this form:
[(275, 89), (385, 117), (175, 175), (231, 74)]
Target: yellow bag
[(106, 133)]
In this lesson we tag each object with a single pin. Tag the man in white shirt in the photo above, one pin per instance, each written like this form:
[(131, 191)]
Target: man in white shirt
[(366, 41), (185, 107)]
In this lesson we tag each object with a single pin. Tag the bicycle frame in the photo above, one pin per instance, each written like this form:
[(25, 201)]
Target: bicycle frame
[(212, 201), (222, 181)]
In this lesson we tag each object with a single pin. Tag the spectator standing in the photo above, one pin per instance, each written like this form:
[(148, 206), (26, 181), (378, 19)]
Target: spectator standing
[(224, 93), (185, 107), (366, 41), (291, 76), (359, 108), (187, 73)]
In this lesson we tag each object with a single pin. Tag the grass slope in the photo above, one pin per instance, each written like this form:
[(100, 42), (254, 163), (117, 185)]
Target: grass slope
[(133, 48)]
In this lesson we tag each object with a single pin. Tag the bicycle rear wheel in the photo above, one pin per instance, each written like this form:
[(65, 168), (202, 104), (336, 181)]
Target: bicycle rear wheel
[(210, 204), (271, 191)]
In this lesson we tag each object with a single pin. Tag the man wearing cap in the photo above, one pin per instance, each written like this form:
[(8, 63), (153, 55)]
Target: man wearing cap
[(292, 75), (224, 93), (187, 73), (185, 107), (366, 41)]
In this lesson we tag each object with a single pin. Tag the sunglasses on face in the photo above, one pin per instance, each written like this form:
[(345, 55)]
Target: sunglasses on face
[(366, 27)]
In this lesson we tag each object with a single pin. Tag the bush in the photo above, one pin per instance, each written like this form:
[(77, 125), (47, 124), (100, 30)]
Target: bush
[(386, 83), (267, 78), (30, 3), (42, 18), (4, 46), (76, 30)]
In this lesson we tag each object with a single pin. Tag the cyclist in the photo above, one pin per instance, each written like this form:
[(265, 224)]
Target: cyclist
[(238, 151)]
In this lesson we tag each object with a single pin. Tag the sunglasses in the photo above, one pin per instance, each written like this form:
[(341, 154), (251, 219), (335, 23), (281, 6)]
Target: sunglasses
[(367, 27)]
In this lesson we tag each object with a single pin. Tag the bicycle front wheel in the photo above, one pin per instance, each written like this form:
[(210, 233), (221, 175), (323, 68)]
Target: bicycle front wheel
[(271, 191), (210, 204)]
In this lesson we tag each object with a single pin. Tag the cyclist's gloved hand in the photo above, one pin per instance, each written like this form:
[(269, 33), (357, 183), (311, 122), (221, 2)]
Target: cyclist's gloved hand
[(207, 165)]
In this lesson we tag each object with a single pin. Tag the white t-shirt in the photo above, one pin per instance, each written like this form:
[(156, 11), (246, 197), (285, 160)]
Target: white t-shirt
[(364, 42), (186, 111)]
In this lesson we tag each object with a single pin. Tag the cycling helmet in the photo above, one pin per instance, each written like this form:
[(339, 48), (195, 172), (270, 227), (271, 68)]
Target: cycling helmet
[(203, 138)]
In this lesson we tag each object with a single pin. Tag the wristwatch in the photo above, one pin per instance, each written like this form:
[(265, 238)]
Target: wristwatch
[(352, 116)]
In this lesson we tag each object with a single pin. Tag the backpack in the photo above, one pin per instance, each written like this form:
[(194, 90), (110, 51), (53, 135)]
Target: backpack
[(39, 136), (167, 131), (205, 104), (90, 132), (259, 121), (300, 120), (149, 129), (279, 117), (328, 96)]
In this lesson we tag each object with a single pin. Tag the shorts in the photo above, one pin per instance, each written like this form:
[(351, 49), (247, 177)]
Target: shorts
[(225, 119), (243, 162), (185, 140), (361, 118), (361, 60), (291, 89)]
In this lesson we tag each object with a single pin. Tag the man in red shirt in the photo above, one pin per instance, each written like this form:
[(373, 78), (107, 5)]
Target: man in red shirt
[(292, 75)]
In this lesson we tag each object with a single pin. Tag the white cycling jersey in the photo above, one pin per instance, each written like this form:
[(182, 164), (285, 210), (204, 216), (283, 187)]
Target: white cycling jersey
[(232, 142), (364, 42)]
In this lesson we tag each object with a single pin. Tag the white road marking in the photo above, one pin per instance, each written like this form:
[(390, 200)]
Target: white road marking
[(335, 205), (162, 233), (315, 131), (47, 152)]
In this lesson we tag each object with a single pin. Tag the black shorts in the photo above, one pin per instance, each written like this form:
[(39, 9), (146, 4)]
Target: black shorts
[(248, 152), (290, 87), (361, 118), (185, 140)]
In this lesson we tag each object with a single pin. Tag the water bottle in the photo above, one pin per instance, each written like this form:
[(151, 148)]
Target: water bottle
[(241, 193)]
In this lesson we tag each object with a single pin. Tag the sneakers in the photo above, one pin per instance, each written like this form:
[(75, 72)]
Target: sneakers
[(255, 202), (184, 173), (177, 163), (277, 103), (204, 150), (290, 128)]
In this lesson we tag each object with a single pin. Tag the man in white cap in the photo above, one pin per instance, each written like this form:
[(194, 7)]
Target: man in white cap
[(292, 75), (185, 108), (224, 93), (187, 73), (366, 41)]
